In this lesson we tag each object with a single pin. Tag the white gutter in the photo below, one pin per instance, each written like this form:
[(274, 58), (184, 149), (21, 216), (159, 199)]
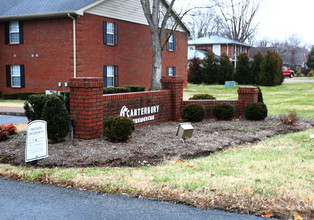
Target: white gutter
[(74, 43)]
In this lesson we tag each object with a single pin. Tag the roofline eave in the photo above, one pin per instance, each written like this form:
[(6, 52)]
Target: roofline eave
[(36, 16)]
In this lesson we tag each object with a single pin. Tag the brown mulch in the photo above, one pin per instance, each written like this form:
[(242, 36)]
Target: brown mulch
[(152, 145)]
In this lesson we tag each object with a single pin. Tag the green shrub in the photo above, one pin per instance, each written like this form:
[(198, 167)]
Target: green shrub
[(311, 73), (112, 90), (299, 73), (201, 96), (255, 111), (10, 96), (34, 106), (57, 118), (223, 111), (194, 112), (118, 129), (225, 70), (271, 70), (0, 94), (66, 96), (194, 73), (260, 95), (135, 88)]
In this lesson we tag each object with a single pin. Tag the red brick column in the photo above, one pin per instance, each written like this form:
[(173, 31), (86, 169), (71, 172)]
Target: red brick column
[(86, 106), (246, 96), (175, 84)]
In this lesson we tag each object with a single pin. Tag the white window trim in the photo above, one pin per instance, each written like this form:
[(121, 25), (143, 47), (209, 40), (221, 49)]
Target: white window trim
[(14, 32), (170, 70), (15, 73), (109, 68), (110, 33)]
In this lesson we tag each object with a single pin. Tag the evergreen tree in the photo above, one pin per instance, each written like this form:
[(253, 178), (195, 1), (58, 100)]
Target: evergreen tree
[(243, 73), (310, 59), (225, 70), (256, 67), (194, 75), (210, 68), (271, 70)]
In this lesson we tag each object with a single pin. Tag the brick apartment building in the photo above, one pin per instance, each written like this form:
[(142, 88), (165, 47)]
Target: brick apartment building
[(45, 43), (219, 46)]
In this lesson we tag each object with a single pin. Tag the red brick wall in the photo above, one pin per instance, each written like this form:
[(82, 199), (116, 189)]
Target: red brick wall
[(52, 41), (89, 107), (133, 54)]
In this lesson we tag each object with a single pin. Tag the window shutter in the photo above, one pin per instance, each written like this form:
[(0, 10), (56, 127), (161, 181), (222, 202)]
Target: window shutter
[(116, 34), (174, 42), (21, 32), (6, 32), (105, 34), (22, 76), (167, 71), (116, 82), (174, 71), (105, 76), (8, 73), (167, 35)]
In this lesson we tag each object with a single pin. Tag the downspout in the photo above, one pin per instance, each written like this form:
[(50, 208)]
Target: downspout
[(74, 43)]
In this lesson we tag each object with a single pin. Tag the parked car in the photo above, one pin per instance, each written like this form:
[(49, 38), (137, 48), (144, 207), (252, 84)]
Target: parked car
[(287, 72)]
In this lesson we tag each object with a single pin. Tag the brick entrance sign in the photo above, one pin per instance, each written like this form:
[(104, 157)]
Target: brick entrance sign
[(89, 107)]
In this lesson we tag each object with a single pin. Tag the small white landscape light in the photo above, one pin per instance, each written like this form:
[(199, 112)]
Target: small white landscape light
[(185, 130)]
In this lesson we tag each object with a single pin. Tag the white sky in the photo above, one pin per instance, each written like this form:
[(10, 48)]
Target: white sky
[(279, 19)]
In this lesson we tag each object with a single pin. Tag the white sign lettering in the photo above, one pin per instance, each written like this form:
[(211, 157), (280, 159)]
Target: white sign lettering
[(137, 112), (36, 141)]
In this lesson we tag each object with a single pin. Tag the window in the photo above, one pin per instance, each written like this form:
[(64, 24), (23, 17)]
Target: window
[(171, 71), (13, 32), (110, 33), (171, 44), (110, 76), (15, 76)]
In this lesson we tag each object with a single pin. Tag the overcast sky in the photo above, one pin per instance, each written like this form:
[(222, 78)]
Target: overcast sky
[(279, 19)]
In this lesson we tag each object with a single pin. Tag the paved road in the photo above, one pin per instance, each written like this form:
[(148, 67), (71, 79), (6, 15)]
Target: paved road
[(25, 201), (8, 119), (298, 80)]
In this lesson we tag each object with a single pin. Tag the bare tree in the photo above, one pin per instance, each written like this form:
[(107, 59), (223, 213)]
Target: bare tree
[(204, 22), (238, 18)]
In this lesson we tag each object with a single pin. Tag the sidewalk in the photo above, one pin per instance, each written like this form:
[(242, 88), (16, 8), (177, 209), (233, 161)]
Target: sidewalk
[(11, 109)]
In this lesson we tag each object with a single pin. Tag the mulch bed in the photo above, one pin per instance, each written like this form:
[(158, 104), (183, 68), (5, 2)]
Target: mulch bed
[(152, 145)]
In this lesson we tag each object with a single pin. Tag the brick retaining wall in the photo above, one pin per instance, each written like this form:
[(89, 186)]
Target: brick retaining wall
[(89, 107)]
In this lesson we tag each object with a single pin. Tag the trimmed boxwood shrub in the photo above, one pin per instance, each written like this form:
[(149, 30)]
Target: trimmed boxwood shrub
[(112, 90), (20, 95), (57, 118), (136, 88), (10, 96), (194, 112), (223, 111), (256, 111), (34, 106), (118, 129), (202, 96)]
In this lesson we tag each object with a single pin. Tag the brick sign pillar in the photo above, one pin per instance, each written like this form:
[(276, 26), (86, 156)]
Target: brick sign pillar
[(246, 96), (86, 106), (175, 84)]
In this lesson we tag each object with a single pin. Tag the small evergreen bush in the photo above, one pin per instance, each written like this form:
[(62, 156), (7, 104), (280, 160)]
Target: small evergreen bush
[(34, 107), (256, 67), (271, 70), (118, 129), (311, 73), (135, 88), (225, 70), (194, 112), (26, 95), (57, 118), (299, 73), (210, 68), (223, 111), (201, 96), (243, 71), (255, 111)]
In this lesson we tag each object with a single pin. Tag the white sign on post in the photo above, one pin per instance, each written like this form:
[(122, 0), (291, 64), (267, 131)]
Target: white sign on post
[(36, 141)]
